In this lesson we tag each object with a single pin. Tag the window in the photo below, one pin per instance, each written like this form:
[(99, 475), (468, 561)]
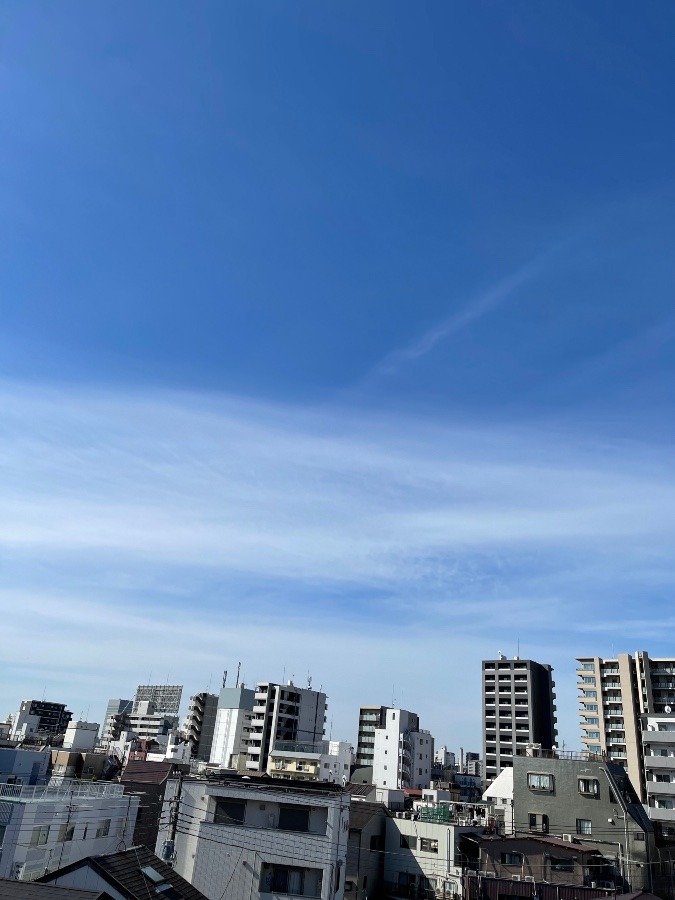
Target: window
[(562, 865), (592, 720), (3, 828), (288, 881), (40, 836), (587, 667), (591, 695), (408, 841), (375, 842), (66, 833), (103, 829), (593, 735), (428, 845), (294, 818), (589, 679), (511, 859), (590, 787), (229, 812), (538, 822), (591, 707), (537, 782), (584, 826)]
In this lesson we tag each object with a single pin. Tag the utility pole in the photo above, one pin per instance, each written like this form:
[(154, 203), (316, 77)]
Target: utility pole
[(169, 848)]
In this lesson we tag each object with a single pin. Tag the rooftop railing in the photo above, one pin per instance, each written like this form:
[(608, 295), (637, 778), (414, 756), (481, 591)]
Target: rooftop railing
[(61, 789)]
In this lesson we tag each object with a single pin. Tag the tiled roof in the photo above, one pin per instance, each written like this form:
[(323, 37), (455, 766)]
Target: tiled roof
[(360, 790), (360, 814), (141, 771), (123, 872), (30, 890)]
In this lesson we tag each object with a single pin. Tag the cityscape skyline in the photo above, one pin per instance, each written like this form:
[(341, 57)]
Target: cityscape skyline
[(338, 337)]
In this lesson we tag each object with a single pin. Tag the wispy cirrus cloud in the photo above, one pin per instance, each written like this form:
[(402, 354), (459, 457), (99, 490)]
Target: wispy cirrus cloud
[(256, 523), (466, 314)]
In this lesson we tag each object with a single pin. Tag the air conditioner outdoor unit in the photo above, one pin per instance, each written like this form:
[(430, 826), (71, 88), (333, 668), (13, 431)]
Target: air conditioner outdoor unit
[(529, 878), (471, 872), (489, 874), (568, 837), (515, 878)]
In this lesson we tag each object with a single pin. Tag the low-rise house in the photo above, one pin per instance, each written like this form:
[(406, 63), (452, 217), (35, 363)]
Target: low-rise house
[(316, 761), (19, 766), (133, 874), (365, 849), (251, 837), (543, 858), (423, 858), (43, 827), (579, 796), (29, 890)]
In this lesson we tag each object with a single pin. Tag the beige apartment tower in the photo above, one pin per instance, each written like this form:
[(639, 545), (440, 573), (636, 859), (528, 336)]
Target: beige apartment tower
[(615, 694)]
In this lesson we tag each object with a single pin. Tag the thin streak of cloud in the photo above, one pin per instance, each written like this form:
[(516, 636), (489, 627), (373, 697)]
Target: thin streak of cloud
[(486, 302)]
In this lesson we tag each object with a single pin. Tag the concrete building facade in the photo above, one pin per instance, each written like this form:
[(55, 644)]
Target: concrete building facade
[(283, 712), (614, 694), (45, 827), (403, 753), (253, 838), (518, 709), (115, 721), (200, 724), (40, 717), (232, 728), (320, 761), (579, 796)]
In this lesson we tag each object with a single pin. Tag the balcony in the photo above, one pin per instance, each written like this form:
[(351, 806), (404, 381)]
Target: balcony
[(661, 788), (660, 762), (658, 737), (661, 815)]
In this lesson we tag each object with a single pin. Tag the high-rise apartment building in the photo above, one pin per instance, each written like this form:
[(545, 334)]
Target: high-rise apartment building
[(200, 724), (403, 753), (616, 696), (283, 712), (232, 727), (115, 720), (518, 709), (370, 717), (39, 717)]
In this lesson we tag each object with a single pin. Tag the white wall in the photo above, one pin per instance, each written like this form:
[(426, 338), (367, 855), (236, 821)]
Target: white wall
[(232, 859), (84, 813)]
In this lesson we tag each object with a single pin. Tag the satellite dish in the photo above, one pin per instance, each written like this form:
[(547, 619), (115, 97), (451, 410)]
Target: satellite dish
[(667, 709)]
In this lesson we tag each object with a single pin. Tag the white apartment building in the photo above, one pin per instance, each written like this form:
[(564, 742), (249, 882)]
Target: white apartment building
[(614, 695), (499, 797), (658, 747), (403, 753), (422, 859), (283, 712), (320, 761), (252, 838), (81, 736), (44, 827), (232, 728)]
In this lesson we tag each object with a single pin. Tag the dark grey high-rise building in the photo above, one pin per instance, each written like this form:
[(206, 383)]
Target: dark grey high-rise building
[(518, 709)]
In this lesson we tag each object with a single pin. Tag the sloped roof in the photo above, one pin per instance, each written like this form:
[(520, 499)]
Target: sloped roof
[(123, 872), (360, 814), (30, 890), (142, 771)]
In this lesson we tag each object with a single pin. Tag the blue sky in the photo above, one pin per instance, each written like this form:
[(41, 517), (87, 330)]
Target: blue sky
[(335, 338)]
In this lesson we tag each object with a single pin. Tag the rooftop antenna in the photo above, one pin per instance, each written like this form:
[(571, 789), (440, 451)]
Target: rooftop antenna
[(238, 671), (309, 682), (224, 677)]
